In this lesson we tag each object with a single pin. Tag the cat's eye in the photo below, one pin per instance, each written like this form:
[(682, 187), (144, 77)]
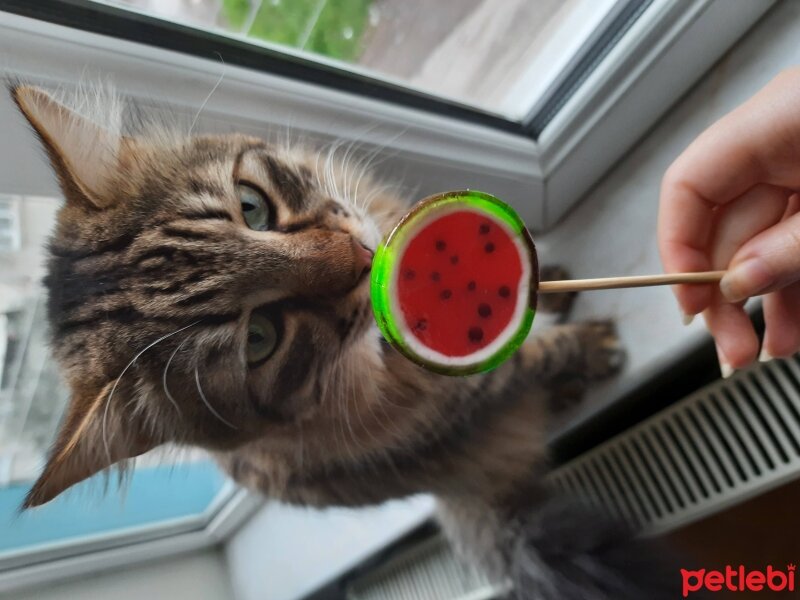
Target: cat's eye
[(255, 208), (262, 338)]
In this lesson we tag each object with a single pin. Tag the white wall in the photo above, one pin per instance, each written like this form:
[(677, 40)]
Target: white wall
[(287, 552), (199, 576)]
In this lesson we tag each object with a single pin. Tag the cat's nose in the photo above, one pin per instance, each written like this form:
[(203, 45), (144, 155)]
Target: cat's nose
[(362, 259)]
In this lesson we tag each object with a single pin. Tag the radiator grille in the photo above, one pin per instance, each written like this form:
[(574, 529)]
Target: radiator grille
[(729, 441), (428, 571)]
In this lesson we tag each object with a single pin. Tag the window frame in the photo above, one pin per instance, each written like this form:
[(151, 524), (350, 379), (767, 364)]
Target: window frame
[(133, 26), (663, 52), (64, 560)]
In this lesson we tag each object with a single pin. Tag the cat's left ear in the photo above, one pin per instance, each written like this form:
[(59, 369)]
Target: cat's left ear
[(84, 154), (93, 436)]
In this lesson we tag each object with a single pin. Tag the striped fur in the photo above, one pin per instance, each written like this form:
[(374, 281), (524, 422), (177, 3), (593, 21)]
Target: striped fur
[(153, 278)]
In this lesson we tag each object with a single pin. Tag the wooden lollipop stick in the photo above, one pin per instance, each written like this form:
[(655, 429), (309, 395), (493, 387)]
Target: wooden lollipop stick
[(611, 283)]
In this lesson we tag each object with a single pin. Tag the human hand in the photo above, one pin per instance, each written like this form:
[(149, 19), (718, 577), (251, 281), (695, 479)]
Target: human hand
[(730, 202)]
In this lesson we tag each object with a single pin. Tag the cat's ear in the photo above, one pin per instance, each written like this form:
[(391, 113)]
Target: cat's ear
[(83, 153), (92, 437)]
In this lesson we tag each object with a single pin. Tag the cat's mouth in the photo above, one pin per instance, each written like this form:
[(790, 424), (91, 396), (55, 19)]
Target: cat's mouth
[(364, 255)]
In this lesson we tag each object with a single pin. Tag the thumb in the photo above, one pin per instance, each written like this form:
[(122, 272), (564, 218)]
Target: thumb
[(768, 262)]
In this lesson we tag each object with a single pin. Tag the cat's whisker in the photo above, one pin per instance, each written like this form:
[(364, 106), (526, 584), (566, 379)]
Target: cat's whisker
[(344, 398), (351, 170), (321, 161), (104, 427), (341, 411), (344, 166), (360, 395), (391, 188), (373, 195), (164, 377), (329, 167), (353, 145), (207, 403), (338, 429), (211, 93), (368, 162), (378, 149), (381, 401), (316, 168)]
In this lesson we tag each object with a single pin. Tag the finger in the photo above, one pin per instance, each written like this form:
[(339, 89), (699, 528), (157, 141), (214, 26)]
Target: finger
[(782, 319), (757, 142), (736, 339), (733, 225), (743, 218), (768, 262), (685, 225), (737, 222), (792, 207)]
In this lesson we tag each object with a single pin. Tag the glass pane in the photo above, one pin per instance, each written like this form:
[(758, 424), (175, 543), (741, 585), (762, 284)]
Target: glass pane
[(32, 399), (496, 55), (153, 495)]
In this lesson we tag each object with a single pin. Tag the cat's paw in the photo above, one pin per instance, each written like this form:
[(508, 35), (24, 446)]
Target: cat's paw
[(603, 351), (558, 306)]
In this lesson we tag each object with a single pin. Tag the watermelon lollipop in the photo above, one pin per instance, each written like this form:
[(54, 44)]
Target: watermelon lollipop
[(454, 285)]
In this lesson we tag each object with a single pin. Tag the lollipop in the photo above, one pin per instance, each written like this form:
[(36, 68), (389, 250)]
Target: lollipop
[(455, 284)]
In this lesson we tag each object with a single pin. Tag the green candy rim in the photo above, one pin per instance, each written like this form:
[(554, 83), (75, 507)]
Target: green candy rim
[(383, 268)]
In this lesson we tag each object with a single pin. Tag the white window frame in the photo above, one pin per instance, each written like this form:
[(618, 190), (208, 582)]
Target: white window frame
[(55, 562), (657, 60), (663, 53)]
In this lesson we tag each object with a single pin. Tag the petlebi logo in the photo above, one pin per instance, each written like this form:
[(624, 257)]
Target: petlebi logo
[(739, 579)]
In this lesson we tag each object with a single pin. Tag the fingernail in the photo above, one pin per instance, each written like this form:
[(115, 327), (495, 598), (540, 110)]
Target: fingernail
[(764, 356), (687, 319), (744, 280), (725, 369)]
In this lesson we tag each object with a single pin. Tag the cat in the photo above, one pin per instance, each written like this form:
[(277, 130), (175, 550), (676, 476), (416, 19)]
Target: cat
[(213, 291)]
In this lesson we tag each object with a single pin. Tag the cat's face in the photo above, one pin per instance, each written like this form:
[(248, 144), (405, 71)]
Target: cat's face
[(200, 289)]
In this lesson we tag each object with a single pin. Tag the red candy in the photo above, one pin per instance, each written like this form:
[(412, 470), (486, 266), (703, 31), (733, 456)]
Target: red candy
[(458, 283)]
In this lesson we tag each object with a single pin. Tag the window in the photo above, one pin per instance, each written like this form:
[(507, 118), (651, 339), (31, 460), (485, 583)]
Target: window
[(499, 56), (155, 495), (534, 124)]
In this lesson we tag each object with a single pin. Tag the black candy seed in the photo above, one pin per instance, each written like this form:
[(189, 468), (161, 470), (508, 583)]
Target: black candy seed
[(484, 310), (489, 248), (410, 274), (504, 291), (445, 295), (483, 229), (475, 334), (435, 276), (440, 245), (471, 286), (421, 325), (454, 260)]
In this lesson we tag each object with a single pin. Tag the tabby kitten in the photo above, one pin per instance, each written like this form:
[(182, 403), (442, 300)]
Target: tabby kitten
[(212, 291)]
